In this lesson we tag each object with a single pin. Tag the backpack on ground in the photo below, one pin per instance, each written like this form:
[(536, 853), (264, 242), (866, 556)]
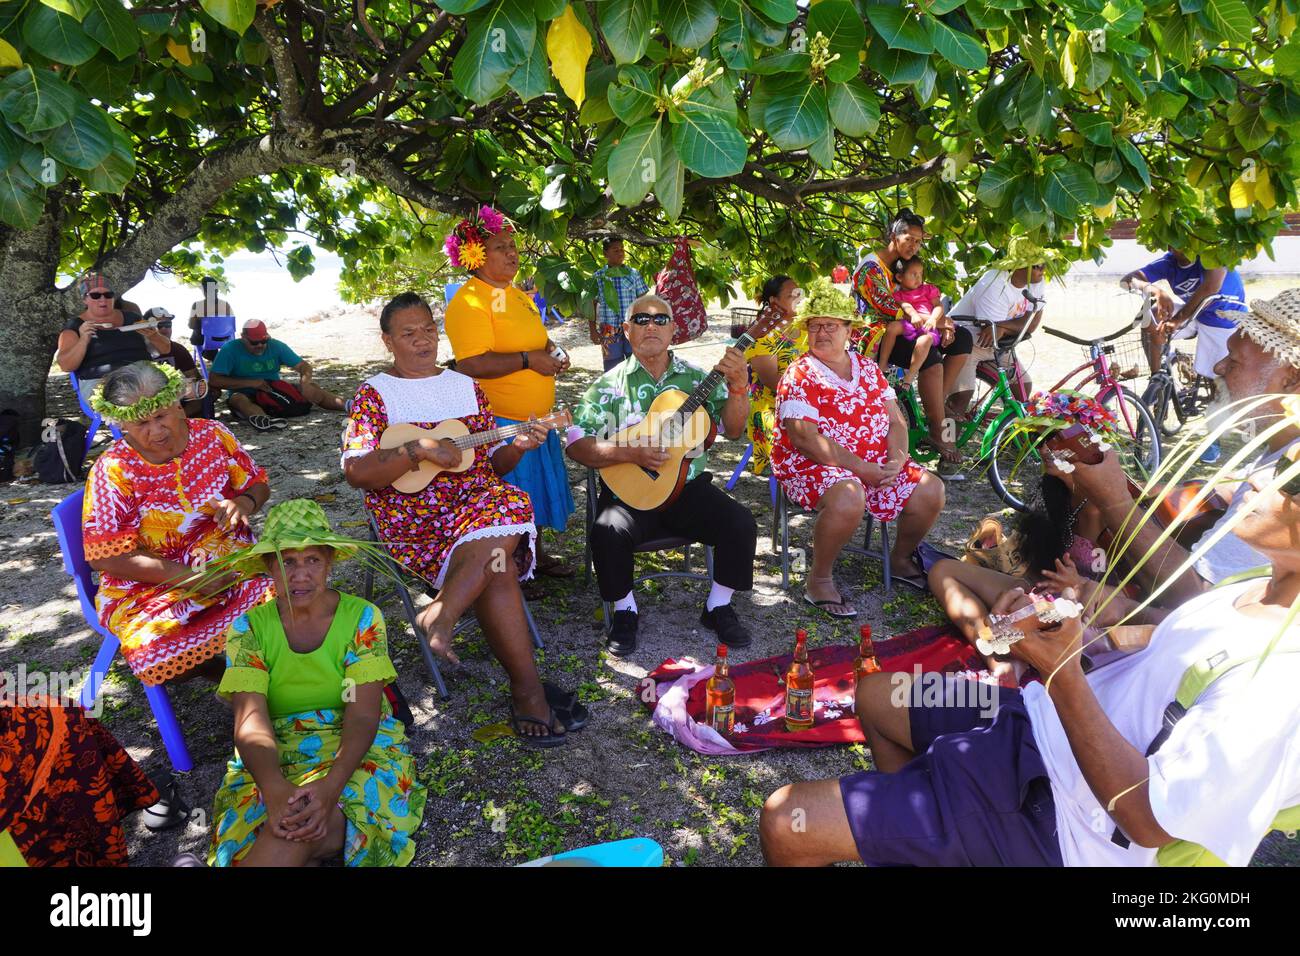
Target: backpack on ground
[(283, 401), (62, 451)]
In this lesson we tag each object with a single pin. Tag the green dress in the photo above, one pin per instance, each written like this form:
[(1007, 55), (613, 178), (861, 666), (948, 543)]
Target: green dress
[(382, 802)]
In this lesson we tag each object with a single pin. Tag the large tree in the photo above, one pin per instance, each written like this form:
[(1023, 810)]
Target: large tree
[(778, 133)]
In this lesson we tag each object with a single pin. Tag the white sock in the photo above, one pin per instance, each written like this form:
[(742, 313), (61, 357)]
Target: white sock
[(718, 596), (626, 603)]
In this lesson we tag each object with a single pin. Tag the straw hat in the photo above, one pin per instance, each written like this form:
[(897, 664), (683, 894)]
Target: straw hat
[(1273, 324), (824, 301), (298, 523)]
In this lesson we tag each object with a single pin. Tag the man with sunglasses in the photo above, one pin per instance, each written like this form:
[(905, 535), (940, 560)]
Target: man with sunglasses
[(178, 356), (251, 363), (92, 344), (702, 512)]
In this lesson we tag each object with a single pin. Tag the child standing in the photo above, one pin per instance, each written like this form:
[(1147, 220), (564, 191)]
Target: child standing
[(920, 316)]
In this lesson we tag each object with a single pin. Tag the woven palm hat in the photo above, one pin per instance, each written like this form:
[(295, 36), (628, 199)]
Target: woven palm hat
[(824, 301), (1023, 253), (1273, 324), (293, 524)]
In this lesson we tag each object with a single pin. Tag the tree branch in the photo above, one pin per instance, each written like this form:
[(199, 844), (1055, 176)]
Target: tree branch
[(383, 80)]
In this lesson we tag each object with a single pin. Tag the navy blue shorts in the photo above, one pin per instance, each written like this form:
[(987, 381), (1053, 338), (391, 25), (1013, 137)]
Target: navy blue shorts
[(977, 794)]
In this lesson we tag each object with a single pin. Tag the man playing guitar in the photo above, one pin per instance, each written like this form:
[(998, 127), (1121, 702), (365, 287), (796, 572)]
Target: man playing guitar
[(701, 512)]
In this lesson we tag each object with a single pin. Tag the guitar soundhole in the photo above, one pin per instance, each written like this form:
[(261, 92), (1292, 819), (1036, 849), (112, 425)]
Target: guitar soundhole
[(654, 475)]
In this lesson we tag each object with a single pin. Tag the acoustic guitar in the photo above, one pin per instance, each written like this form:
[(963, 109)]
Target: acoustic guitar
[(460, 436), (678, 425)]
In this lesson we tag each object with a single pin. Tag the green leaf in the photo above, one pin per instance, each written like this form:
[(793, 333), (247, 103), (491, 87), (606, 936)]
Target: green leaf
[(36, 100), (635, 161), (841, 24), (43, 169), (11, 147), (855, 111), (1124, 16), (1068, 187), (112, 175), (625, 25), (1230, 17), (756, 108), (995, 185), (1034, 101), (1165, 105), (21, 200), (822, 150), (57, 36), (790, 61), (462, 6), (1249, 124), (778, 11), (1282, 105), (532, 77), (112, 27), (547, 10), (707, 142), (689, 23), (1177, 39), (900, 28), (499, 39), (734, 46), (236, 15), (1287, 60), (77, 9), (1028, 209), (1135, 160), (1108, 168), (85, 141), (762, 30), (796, 114), (899, 67), (939, 7), (595, 110), (1094, 127), (960, 49), (670, 186), (632, 98)]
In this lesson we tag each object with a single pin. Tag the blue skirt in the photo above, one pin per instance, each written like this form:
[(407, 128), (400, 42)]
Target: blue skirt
[(541, 473)]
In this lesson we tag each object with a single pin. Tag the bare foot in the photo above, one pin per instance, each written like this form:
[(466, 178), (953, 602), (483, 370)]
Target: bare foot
[(947, 451), (437, 630)]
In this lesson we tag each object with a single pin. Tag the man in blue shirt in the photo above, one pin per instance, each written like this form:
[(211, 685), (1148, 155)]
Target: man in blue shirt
[(1206, 294), (252, 362)]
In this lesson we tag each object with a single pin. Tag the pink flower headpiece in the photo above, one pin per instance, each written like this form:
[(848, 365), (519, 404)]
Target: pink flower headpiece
[(466, 245)]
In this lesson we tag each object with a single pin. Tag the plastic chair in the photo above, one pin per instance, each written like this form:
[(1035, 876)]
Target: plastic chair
[(95, 418), (67, 524), (646, 547), (449, 291), (408, 605), (784, 507)]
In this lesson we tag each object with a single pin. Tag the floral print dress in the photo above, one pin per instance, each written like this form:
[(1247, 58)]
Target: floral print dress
[(785, 345), (422, 529), (850, 413), (874, 286), (168, 510), (382, 801)]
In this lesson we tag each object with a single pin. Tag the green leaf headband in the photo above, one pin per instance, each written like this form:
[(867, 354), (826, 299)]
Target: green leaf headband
[(169, 395)]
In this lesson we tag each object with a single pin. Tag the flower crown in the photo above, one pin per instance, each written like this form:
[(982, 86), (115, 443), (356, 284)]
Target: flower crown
[(466, 245), (169, 394)]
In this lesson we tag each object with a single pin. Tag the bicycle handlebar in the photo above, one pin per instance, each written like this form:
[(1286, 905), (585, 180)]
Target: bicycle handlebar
[(1088, 343)]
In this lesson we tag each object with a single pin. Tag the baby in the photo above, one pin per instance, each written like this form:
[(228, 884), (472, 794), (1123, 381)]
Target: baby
[(921, 319)]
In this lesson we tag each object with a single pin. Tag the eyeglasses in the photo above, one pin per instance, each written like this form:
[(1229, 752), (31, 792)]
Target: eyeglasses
[(645, 318), (815, 327), (256, 343), (99, 295)]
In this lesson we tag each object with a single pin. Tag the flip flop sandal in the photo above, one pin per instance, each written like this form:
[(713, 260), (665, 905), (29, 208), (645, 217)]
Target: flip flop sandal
[(261, 422), (573, 714), (825, 606), (932, 445), (279, 424), (919, 581), (555, 568), (540, 741)]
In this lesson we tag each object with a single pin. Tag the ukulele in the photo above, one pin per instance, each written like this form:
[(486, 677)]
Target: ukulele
[(676, 424), (460, 436)]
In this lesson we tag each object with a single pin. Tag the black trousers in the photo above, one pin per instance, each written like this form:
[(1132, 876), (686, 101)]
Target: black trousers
[(702, 513), (962, 343)]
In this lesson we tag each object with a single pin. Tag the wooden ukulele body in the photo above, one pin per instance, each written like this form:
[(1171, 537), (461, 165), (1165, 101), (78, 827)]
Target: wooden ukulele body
[(413, 481), (642, 488)]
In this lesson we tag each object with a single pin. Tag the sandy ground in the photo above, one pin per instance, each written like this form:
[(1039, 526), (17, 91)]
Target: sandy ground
[(496, 802)]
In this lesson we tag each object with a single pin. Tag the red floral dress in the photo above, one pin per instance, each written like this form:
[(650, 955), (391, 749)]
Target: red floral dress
[(423, 528), (168, 510), (852, 414)]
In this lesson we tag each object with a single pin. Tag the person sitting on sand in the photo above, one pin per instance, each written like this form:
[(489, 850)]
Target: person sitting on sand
[(468, 534)]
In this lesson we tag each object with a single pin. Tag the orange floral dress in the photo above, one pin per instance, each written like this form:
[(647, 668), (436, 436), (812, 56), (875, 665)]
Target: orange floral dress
[(168, 510)]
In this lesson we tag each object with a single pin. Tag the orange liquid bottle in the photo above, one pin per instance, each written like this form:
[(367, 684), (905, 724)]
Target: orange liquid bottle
[(720, 695), (865, 663), (799, 686)]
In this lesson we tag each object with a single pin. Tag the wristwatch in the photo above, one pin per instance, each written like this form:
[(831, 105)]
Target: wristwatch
[(524, 356)]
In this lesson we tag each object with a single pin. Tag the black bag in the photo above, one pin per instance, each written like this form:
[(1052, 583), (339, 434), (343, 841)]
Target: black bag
[(8, 443), (283, 401), (62, 451)]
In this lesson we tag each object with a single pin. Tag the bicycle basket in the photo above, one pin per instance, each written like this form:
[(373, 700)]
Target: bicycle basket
[(740, 314), (1128, 360)]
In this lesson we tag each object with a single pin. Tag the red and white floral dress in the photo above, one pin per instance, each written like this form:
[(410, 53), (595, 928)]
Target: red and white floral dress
[(850, 413)]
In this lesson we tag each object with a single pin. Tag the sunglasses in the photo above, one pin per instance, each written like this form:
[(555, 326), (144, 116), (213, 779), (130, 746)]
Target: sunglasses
[(99, 295), (256, 343), (645, 318)]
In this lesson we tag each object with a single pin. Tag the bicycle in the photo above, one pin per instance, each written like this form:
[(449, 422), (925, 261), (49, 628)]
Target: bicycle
[(1170, 405)]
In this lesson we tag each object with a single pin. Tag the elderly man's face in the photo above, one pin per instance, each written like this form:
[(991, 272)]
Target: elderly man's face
[(1251, 370), (650, 340)]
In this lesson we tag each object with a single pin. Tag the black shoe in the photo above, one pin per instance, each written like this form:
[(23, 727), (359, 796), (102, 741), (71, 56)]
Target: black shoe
[(722, 621), (622, 635), (169, 812), (401, 709)]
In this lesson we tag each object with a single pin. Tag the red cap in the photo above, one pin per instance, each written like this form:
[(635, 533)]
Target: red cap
[(722, 650), (800, 635), (866, 632), (255, 331)]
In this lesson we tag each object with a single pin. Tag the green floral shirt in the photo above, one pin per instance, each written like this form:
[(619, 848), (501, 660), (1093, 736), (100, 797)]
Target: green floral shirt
[(621, 397)]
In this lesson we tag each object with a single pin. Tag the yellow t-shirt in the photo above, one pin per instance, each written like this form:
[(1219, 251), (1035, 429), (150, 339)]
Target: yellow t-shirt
[(482, 318)]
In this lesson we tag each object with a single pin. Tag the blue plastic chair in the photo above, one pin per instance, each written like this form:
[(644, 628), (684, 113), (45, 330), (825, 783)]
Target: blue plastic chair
[(636, 852), (67, 524), (95, 418), (449, 291), (217, 330)]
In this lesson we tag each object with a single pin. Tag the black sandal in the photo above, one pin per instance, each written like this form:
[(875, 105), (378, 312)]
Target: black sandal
[(573, 714), (539, 741)]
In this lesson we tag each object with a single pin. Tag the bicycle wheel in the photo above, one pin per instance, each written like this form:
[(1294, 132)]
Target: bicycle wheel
[(1161, 399), (1139, 449), (1014, 465)]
